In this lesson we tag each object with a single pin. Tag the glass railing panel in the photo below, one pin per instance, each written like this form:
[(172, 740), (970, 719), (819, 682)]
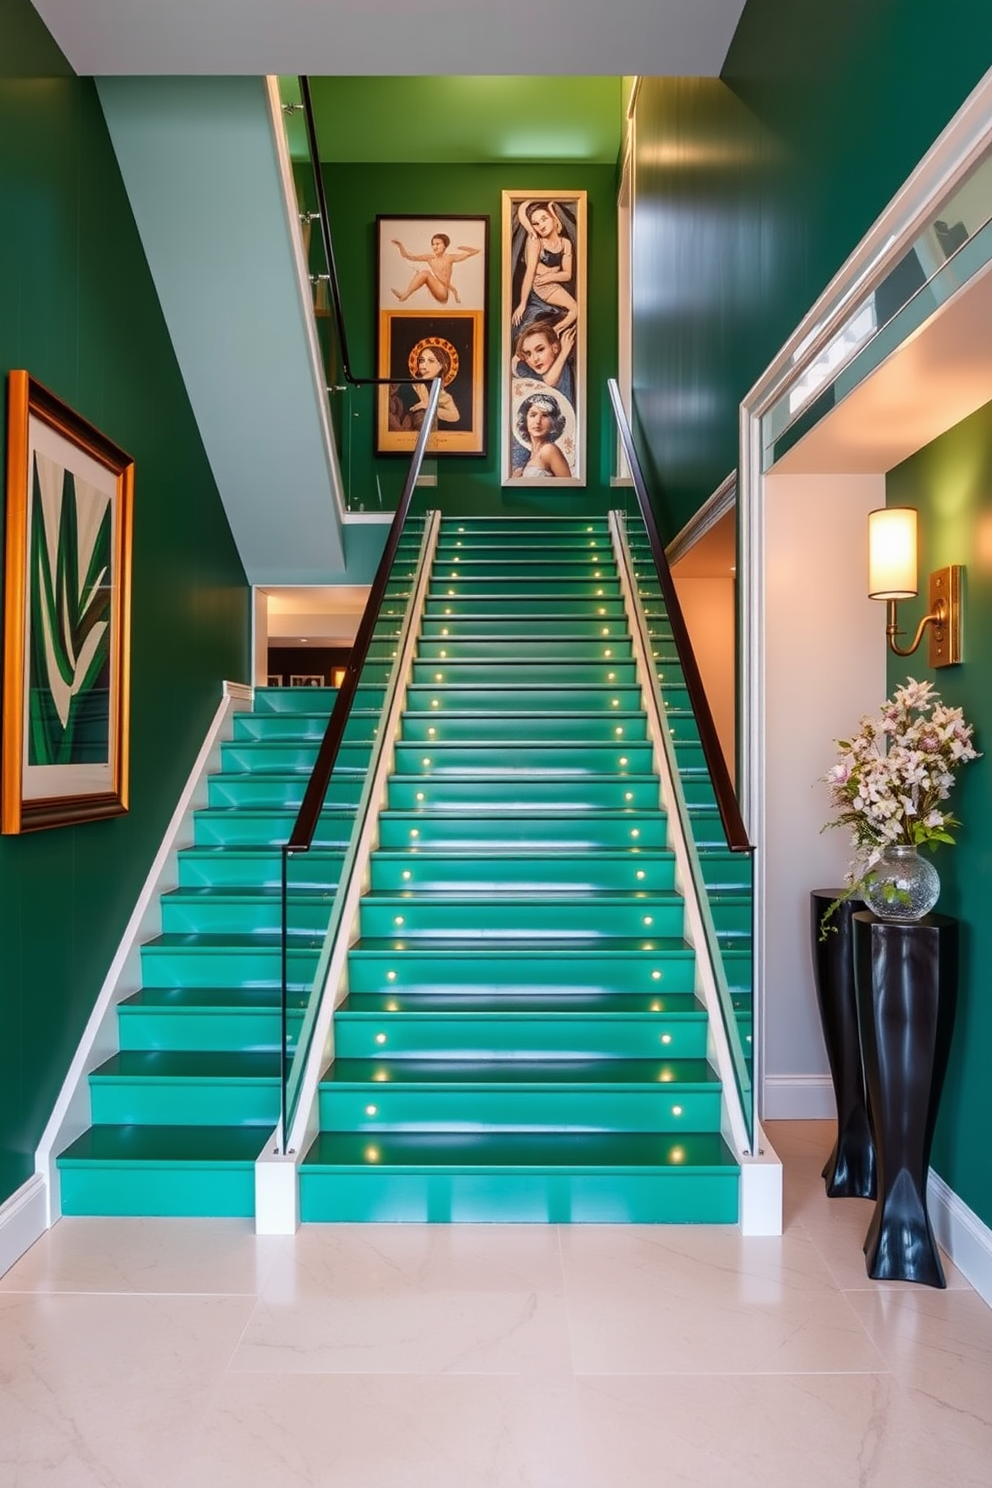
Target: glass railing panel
[(722, 878), (309, 914), (952, 248), (720, 853), (336, 782), (356, 399)]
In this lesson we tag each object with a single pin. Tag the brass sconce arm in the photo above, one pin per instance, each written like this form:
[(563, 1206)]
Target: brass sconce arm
[(944, 616), (938, 618)]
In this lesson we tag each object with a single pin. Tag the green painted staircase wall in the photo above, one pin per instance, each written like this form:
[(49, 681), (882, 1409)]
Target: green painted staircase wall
[(521, 1039), (182, 1111)]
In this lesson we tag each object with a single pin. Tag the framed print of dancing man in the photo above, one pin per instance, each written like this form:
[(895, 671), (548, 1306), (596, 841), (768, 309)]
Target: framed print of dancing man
[(431, 322), (543, 335)]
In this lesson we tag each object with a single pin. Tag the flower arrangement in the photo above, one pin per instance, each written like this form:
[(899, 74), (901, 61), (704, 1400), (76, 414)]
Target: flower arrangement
[(892, 778)]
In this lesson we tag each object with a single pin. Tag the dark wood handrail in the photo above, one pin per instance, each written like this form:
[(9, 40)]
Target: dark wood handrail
[(313, 798), (726, 797)]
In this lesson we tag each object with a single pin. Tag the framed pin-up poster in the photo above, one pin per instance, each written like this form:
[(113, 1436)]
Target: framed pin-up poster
[(431, 322), (543, 338), (67, 578)]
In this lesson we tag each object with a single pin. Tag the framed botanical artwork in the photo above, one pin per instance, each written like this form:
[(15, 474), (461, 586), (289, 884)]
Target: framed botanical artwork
[(66, 615), (543, 338), (431, 277)]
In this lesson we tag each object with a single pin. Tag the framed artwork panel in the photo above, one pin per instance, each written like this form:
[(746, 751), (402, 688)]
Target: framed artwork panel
[(66, 616), (431, 321), (543, 338)]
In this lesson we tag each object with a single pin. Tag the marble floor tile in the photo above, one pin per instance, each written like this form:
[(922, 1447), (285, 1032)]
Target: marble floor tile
[(686, 1301), (747, 1431), (402, 1260), (435, 1332), (387, 1431), (189, 1354), (146, 1255), (938, 1345), (100, 1390)]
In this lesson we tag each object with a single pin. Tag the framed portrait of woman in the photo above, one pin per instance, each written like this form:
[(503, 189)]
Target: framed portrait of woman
[(431, 322), (543, 338)]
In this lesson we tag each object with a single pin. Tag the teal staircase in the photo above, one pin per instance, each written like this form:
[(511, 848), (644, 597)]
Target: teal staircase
[(182, 1111), (521, 1037)]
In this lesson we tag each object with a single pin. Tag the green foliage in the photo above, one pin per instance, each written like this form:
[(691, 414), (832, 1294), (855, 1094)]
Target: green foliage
[(70, 630)]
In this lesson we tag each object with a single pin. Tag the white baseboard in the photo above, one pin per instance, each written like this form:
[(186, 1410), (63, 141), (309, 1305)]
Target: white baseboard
[(71, 1115), (23, 1220), (798, 1098), (960, 1232)]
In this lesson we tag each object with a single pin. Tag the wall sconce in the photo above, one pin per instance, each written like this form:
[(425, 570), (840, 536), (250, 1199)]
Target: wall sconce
[(892, 575)]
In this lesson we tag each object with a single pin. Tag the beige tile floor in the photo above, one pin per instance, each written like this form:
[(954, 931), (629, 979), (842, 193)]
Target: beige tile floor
[(189, 1354)]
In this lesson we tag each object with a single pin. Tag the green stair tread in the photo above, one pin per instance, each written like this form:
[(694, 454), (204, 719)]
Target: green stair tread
[(428, 856), (539, 816), (511, 899), (167, 1064), (467, 1151), (166, 1144), (208, 940), (208, 999), (551, 946), (484, 1003), (666, 1076), (249, 894)]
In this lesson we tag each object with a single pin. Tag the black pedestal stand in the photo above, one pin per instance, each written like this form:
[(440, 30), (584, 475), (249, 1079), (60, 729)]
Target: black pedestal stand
[(850, 1169), (906, 983)]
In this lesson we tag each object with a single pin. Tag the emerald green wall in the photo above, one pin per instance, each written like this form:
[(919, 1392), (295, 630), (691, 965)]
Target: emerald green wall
[(752, 190), (950, 482), (78, 310), (470, 485)]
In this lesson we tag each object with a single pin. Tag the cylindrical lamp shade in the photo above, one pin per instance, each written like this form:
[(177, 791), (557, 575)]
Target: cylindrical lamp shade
[(892, 553)]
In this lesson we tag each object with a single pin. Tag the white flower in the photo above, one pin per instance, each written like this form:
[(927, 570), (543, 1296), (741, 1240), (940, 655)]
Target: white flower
[(890, 778)]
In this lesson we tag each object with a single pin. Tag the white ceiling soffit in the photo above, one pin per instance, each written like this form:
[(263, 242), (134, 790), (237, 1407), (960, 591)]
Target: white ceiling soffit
[(671, 38), (199, 162)]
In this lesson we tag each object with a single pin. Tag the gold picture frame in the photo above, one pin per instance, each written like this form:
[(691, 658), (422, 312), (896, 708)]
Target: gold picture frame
[(67, 578), (431, 297), (543, 339)]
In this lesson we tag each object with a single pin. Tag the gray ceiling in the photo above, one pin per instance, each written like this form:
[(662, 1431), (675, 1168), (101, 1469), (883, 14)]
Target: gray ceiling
[(394, 37)]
